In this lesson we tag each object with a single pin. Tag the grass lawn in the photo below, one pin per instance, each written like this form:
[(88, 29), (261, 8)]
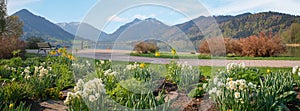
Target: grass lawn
[(193, 56), (205, 70)]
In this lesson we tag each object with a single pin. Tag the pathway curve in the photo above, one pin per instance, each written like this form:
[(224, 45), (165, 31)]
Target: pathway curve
[(194, 62), (123, 56)]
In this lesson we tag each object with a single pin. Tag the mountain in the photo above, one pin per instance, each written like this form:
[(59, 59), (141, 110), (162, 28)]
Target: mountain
[(38, 26), (83, 30), (139, 30), (241, 26), (238, 26)]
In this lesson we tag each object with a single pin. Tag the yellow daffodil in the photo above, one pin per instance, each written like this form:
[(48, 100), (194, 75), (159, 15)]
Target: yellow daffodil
[(157, 54), (11, 105), (173, 51), (60, 50), (71, 57), (51, 89), (53, 52), (142, 65), (64, 54), (61, 95), (268, 70), (229, 110)]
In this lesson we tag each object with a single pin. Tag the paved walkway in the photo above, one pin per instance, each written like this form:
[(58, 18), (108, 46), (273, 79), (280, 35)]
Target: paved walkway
[(194, 62), (123, 56)]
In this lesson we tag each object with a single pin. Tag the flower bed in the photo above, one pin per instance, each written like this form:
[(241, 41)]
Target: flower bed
[(102, 85)]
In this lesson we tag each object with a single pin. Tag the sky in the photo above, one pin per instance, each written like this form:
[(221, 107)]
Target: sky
[(58, 11)]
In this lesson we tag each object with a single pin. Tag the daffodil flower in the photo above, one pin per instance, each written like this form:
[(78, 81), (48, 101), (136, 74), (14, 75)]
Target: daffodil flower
[(157, 54), (268, 71), (173, 51), (142, 65), (11, 105)]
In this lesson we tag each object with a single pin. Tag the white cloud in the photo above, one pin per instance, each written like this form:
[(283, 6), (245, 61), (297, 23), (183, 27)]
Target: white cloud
[(139, 16), (116, 18), (233, 7), (238, 6)]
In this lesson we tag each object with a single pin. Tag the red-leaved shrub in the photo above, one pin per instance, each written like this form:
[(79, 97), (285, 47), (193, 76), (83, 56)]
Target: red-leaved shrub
[(262, 46), (254, 46), (214, 46), (10, 44)]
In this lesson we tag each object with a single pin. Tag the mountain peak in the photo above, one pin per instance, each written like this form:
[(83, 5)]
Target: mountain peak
[(136, 20), (152, 19), (24, 11)]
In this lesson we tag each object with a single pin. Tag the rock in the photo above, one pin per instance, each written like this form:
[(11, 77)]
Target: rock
[(180, 102), (53, 105)]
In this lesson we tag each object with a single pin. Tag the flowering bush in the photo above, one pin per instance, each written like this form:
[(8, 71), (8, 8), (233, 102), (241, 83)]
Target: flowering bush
[(138, 71), (91, 92), (273, 92), (183, 74), (296, 70), (15, 107), (232, 66), (239, 71)]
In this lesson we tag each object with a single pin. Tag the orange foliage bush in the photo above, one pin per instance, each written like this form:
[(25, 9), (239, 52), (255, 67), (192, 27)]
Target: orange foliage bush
[(10, 44), (213, 46), (262, 46), (254, 46)]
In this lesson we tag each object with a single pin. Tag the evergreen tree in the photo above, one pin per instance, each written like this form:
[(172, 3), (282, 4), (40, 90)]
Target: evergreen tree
[(2, 15)]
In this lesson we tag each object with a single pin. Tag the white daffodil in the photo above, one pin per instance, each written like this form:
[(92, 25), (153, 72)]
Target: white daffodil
[(213, 90), (92, 98), (237, 95), (216, 80)]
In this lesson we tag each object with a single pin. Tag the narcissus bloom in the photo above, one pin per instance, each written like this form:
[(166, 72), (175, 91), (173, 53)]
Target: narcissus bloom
[(53, 52), (173, 51), (71, 57), (268, 71), (142, 65), (237, 95), (11, 105), (157, 54)]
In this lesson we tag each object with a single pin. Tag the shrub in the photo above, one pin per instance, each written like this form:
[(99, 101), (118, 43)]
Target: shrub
[(231, 91), (15, 107), (233, 47), (212, 46), (262, 46), (32, 42), (15, 92), (145, 47), (9, 38), (254, 46), (8, 45)]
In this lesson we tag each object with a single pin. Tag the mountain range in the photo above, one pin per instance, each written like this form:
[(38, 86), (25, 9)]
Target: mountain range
[(38, 26), (238, 26)]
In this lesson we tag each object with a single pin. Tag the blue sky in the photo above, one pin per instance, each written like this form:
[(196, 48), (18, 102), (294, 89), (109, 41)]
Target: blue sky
[(76, 10)]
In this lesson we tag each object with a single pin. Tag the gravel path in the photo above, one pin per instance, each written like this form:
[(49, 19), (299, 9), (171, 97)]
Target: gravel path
[(123, 56), (194, 62)]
